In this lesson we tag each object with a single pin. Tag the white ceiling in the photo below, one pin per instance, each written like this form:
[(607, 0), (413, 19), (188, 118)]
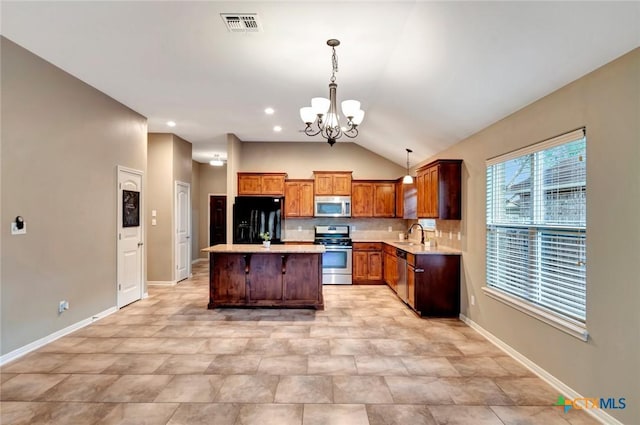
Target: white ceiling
[(428, 74)]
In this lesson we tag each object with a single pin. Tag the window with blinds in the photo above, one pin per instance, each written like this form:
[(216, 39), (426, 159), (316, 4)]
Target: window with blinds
[(536, 225)]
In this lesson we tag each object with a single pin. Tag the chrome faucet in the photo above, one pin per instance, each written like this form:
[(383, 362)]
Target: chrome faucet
[(421, 231)]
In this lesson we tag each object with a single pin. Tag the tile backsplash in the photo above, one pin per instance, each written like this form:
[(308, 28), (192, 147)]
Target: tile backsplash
[(361, 228)]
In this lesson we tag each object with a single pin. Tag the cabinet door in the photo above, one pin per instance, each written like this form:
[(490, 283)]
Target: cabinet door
[(249, 184), (272, 184), (342, 184), (292, 199), (265, 277), (360, 265), (306, 199), (411, 285), (390, 271), (399, 199), (433, 192), (228, 278), (374, 266), (323, 184), (302, 277), (384, 199), (421, 183), (362, 200)]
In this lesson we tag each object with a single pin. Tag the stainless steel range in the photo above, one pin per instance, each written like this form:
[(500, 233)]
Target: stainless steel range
[(337, 263)]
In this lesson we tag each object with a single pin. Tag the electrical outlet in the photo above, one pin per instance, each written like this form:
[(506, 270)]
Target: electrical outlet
[(473, 300), (450, 235), (353, 228), (299, 228), (63, 305), (390, 229), (459, 236), (16, 231)]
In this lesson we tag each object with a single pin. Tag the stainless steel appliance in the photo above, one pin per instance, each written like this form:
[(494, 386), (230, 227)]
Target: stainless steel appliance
[(337, 261), (402, 288), (332, 206), (253, 215)]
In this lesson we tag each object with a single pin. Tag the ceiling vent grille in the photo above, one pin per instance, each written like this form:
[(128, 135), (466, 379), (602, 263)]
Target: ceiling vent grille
[(245, 22)]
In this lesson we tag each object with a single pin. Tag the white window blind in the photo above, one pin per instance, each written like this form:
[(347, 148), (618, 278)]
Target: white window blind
[(536, 225)]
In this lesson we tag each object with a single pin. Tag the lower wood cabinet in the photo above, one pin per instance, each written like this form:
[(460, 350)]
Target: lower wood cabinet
[(367, 263), (390, 264), (266, 280), (434, 284)]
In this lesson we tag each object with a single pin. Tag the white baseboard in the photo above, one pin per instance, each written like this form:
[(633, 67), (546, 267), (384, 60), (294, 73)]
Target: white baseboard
[(562, 388), (161, 282), (145, 295), (199, 260), (52, 337)]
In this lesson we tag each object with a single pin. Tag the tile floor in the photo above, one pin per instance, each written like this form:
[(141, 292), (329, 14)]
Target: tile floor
[(365, 359)]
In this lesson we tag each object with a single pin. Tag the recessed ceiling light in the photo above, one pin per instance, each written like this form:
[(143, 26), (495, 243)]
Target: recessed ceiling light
[(171, 123), (269, 111), (277, 128)]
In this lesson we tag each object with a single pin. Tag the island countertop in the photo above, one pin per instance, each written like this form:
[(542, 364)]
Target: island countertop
[(259, 249)]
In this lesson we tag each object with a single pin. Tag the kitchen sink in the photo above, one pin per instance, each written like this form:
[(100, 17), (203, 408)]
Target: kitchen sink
[(407, 243)]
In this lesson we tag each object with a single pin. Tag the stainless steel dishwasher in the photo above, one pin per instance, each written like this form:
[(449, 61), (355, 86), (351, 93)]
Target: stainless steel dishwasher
[(403, 290)]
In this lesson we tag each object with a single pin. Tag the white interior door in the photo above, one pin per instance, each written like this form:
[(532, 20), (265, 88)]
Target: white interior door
[(183, 230), (130, 238)]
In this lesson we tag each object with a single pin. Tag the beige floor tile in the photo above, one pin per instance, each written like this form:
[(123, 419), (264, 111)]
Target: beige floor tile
[(332, 365), (476, 391), (138, 331), (234, 364), (84, 387), (478, 348), (464, 415), (283, 365), (529, 415), (38, 362), (28, 387), (224, 345), (92, 345), (514, 367), (478, 366), (361, 389), (72, 413), (62, 345), (308, 346), (335, 414), (304, 389), (399, 414), (135, 389), (6, 376), (248, 389), (87, 363), (270, 414), (267, 346), (191, 389), (205, 414), (140, 364), (418, 389), (394, 347), (351, 346), (527, 391), (139, 414), (183, 364), (429, 366), (380, 365), (292, 331), (20, 412)]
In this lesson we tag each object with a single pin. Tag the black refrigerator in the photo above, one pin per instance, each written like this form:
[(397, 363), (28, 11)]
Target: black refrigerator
[(253, 215)]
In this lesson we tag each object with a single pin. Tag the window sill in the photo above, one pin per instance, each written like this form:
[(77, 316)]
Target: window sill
[(575, 329)]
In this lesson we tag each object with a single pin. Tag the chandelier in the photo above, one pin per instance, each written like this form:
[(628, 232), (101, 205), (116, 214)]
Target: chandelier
[(325, 113)]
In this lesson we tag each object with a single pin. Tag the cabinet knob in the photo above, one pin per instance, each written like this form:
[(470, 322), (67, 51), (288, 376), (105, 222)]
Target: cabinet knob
[(419, 270)]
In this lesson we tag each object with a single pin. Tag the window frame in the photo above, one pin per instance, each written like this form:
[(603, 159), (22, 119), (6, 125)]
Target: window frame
[(499, 224)]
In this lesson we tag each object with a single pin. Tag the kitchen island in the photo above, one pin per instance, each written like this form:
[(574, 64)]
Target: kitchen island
[(253, 276)]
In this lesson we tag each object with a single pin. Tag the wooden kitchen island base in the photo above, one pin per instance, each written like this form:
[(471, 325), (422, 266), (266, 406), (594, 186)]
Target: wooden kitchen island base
[(288, 276)]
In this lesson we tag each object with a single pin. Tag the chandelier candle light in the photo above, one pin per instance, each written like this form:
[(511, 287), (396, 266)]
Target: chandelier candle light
[(325, 113)]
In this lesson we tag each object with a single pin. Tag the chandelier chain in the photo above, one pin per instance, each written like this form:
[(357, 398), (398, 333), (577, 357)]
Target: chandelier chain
[(334, 62)]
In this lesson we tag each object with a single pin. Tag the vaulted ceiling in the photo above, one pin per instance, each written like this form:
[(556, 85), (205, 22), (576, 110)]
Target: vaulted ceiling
[(428, 74)]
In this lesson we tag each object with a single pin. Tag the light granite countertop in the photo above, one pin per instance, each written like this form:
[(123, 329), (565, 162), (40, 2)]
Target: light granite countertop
[(259, 249)]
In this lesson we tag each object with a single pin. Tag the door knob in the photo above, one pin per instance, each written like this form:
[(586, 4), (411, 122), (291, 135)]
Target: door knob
[(140, 243)]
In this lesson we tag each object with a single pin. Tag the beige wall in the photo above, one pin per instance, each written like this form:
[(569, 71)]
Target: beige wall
[(299, 160), (160, 200), (195, 210), (61, 143), (169, 161), (607, 102)]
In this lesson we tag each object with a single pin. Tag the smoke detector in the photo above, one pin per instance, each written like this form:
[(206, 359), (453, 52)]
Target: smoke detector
[(242, 22)]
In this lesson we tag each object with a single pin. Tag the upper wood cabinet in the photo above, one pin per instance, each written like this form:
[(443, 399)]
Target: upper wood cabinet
[(332, 183), (373, 198), (271, 184), (406, 200), (439, 186), (298, 198)]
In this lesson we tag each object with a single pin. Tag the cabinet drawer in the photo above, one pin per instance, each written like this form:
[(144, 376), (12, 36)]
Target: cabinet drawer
[(411, 259), (389, 249), (367, 246)]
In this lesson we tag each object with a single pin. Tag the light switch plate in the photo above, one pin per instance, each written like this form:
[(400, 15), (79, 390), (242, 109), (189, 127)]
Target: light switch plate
[(153, 222), (16, 231)]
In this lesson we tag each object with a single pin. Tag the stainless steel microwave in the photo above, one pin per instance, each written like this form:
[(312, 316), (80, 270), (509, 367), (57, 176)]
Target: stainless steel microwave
[(332, 206)]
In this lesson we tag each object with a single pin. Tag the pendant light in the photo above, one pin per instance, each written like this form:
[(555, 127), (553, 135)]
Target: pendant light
[(408, 179)]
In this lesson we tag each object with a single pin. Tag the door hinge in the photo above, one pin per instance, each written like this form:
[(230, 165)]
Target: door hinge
[(120, 185), (120, 236)]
